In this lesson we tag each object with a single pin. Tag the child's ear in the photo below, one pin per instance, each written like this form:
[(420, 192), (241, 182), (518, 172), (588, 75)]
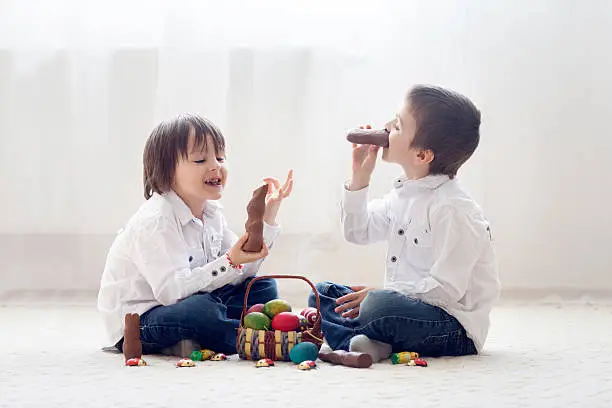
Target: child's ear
[(426, 156)]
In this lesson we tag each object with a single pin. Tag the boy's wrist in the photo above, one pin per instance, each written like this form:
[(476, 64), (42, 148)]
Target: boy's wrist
[(356, 183)]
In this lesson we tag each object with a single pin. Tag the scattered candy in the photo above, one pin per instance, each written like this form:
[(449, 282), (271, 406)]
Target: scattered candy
[(207, 354), (307, 365), (196, 355), (411, 363), (219, 357), (185, 362), (403, 357), (265, 362), (420, 362), (133, 362)]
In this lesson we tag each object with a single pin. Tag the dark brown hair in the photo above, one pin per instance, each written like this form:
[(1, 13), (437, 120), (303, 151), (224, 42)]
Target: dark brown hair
[(168, 142), (448, 124)]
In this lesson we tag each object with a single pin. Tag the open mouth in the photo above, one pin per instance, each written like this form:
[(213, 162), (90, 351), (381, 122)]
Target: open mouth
[(215, 182)]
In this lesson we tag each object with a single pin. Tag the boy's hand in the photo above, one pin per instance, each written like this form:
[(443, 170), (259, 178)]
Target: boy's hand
[(352, 301), (238, 256), (364, 161), (275, 196)]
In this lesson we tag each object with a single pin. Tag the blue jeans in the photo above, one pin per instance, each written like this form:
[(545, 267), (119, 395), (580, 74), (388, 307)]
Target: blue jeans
[(209, 319), (405, 323)]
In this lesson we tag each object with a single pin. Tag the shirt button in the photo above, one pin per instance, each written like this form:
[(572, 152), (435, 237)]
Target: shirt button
[(416, 240), (394, 258), (222, 269), (400, 232), (214, 273), (190, 258)]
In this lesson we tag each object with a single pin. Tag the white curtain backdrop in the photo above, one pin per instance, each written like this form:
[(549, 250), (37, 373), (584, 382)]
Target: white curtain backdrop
[(82, 83)]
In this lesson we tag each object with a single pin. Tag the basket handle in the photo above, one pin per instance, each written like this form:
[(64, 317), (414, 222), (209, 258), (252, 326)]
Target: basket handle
[(317, 324)]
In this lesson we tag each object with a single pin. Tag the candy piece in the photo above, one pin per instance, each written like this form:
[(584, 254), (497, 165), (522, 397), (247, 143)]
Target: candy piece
[(377, 137), (265, 362), (185, 362), (132, 347), (411, 363), (347, 358), (403, 357), (135, 362), (307, 365), (218, 357), (420, 362), (303, 351), (196, 355), (207, 354), (254, 222)]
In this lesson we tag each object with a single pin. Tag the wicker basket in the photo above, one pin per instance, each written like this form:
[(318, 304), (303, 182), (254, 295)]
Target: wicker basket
[(275, 344)]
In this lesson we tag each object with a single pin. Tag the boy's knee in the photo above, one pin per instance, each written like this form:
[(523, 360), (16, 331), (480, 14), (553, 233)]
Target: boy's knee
[(265, 288), (202, 308), (322, 289)]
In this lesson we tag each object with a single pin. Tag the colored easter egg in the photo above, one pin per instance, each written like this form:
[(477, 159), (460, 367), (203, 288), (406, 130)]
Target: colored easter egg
[(256, 308), (276, 306), (257, 321), (310, 313), (303, 323), (286, 321), (303, 351)]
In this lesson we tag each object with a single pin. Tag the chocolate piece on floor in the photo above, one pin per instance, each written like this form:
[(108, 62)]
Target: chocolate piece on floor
[(132, 347), (347, 358)]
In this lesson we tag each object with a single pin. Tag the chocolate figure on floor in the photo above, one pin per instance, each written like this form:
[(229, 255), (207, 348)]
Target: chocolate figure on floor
[(132, 347)]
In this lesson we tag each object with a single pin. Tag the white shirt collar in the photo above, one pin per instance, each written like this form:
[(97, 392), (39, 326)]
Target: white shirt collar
[(430, 182), (184, 213)]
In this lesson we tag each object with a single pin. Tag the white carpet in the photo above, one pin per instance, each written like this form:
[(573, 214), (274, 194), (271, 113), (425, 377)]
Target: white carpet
[(537, 356)]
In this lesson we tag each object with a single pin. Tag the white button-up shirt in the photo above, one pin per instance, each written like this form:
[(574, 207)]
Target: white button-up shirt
[(439, 246), (165, 254)]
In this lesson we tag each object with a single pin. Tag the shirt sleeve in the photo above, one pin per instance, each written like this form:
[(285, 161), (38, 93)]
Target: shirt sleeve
[(159, 254), (364, 222), (457, 243)]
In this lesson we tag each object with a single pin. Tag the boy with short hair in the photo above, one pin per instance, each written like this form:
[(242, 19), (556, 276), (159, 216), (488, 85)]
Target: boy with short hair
[(441, 274)]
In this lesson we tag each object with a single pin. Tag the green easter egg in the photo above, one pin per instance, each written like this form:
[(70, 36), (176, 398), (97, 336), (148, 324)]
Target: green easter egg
[(257, 321)]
